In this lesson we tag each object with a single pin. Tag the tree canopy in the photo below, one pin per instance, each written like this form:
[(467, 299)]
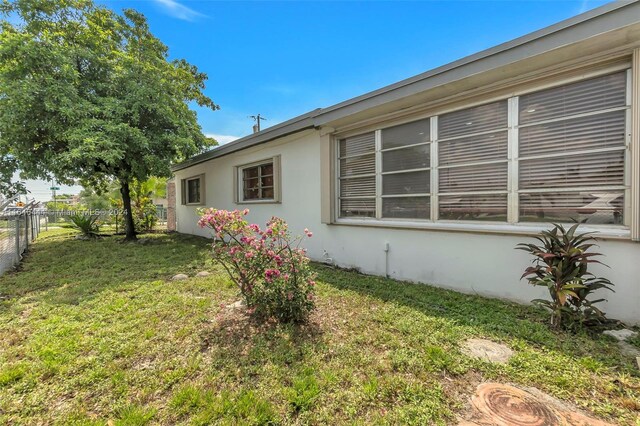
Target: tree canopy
[(90, 95)]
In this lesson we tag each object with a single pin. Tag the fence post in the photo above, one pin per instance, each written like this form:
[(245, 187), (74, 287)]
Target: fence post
[(26, 231), (17, 218)]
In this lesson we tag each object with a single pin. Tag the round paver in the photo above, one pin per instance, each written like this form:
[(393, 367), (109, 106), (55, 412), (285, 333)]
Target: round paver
[(487, 350)]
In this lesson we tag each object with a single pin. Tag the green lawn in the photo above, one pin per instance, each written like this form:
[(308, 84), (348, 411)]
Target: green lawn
[(94, 332)]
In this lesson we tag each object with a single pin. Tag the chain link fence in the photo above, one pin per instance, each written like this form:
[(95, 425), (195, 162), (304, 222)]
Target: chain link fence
[(18, 229)]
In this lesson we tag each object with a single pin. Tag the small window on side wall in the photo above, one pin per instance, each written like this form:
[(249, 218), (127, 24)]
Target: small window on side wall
[(258, 182), (193, 190)]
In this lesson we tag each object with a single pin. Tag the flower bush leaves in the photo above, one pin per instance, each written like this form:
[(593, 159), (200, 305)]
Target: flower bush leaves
[(268, 265)]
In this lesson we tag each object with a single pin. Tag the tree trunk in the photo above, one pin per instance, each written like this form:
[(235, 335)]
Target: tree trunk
[(130, 232)]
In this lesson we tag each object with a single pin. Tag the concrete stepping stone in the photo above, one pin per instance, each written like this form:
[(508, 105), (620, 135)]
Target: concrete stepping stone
[(487, 350), (180, 277), (620, 335), (203, 274)]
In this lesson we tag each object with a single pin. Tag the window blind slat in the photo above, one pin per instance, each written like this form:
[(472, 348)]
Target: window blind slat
[(485, 177), (475, 148), (473, 207), (358, 208), (406, 208), (593, 132), (595, 94), (356, 145), (406, 183), (360, 165), (416, 157), (358, 187), (473, 120), (585, 170), (406, 134), (594, 207)]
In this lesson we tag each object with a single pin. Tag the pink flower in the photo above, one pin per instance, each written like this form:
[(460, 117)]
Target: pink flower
[(308, 233), (289, 296)]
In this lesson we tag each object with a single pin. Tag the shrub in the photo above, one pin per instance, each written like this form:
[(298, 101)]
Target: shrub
[(268, 265), (86, 223), (145, 215), (560, 263)]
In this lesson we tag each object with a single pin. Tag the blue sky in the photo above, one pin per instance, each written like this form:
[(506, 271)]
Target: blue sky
[(282, 59)]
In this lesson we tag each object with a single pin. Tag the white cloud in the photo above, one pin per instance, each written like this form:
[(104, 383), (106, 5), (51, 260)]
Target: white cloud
[(583, 6), (178, 10), (222, 139)]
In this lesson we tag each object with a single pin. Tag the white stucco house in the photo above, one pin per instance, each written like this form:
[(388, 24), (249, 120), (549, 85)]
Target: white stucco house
[(436, 178)]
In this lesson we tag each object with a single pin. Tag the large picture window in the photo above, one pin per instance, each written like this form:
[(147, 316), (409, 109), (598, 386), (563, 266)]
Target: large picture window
[(553, 155)]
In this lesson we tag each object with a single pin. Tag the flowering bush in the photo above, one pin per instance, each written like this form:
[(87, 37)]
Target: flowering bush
[(268, 265)]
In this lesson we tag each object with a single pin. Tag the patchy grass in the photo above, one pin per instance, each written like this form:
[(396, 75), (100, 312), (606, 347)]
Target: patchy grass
[(93, 332)]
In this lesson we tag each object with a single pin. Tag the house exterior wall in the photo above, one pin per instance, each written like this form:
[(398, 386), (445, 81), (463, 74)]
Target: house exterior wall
[(484, 263)]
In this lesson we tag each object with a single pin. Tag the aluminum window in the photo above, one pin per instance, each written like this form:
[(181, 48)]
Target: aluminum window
[(406, 176), (554, 155), (357, 176), (472, 163), (572, 149)]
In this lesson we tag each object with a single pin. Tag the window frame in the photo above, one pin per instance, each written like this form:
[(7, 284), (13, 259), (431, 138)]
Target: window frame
[(512, 224), (238, 181), (184, 190)]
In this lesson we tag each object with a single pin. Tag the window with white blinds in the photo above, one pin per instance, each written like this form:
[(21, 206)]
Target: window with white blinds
[(572, 147), (472, 163), (357, 176), (406, 171), (554, 155)]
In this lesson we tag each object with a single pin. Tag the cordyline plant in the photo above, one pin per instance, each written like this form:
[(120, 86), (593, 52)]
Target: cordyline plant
[(561, 264), (268, 265)]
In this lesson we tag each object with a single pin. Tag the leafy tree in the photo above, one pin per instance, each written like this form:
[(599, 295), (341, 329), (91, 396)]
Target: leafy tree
[(91, 95), (93, 200)]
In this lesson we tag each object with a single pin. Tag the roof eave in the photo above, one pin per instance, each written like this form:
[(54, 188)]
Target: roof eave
[(609, 17)]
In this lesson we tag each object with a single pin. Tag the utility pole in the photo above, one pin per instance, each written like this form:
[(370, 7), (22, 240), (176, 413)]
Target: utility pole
[(256, 118)]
